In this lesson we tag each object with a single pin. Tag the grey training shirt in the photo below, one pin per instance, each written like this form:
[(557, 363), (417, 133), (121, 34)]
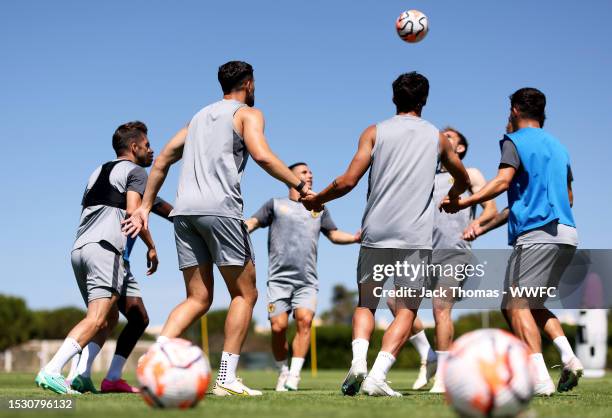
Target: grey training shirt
[(293, 239), (214, 158), (400, 209), (448, 227), (103, 223)]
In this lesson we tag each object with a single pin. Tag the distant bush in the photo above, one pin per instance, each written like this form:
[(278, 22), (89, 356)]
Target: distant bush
[(15, 321)]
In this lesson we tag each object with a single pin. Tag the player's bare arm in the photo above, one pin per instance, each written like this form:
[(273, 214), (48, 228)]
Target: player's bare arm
[(474, 231), (171, 153), (250, 124), (491, 190), (477, 182), (451, 161), (343, 238), (252, 224), (347, 181), (133, 201), (162, 209)]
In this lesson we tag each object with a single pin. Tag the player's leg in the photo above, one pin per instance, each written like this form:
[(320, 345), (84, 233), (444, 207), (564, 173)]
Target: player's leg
[(548, 322), (50, 376), (279, 322), (279, 305), (199, 285), (133, 309), (99, 275), (399, 330), (442, 308), (301, 342), (528, 267), (81, 379), (426, 354), (240, 282)]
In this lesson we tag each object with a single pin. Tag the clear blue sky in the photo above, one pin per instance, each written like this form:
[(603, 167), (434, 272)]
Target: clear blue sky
[(72, 72)]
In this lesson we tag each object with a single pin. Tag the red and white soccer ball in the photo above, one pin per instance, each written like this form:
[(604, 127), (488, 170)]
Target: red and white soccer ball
[(173, 374), (488, 374), (412, 26)]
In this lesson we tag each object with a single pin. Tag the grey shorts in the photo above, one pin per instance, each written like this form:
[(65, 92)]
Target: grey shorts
[(202, 239), (372, 262), (98, 269), (287, 297), (377, 269), (538, 265), (130, 286), (449, 267)]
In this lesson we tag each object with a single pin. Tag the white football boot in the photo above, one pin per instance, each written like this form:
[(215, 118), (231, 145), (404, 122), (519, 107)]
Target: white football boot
[(292, 382), (426, 372), (354, 378), (374, 387), (236, 388), (544, 387), (280, 383), (438, 386), (572, 372)]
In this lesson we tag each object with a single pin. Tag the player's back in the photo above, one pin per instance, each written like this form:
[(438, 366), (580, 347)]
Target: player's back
[(448, 227), (399, 210), (214, 158), (100, 220)]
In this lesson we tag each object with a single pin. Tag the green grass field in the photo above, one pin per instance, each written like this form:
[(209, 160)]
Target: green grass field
[(320, 397)]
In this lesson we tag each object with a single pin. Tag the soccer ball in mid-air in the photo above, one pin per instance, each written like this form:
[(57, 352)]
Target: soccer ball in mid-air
[(173, 374), (412, 26), (488, 374)]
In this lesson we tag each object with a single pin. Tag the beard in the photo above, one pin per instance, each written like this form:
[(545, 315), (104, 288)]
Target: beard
[(512, 124), (250, 99)]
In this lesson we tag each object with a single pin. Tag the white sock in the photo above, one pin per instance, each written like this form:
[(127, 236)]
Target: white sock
[(88, 355), (116, 368), (442, 357), (69, 348), (283, 366), (420, 342), (540, 366), (564, 348), (381, 366), (73, 367), (161, 339), (296, 366), (360, 349), (227, 369)]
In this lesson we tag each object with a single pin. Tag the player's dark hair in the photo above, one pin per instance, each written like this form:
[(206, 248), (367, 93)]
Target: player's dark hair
[(462, 140), (292, 166), (530, 104), (410, 92), (126, 134), (233, 74)]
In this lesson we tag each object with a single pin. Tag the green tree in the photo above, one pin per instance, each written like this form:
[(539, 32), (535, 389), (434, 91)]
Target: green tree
[(15, 321), (343, 305)]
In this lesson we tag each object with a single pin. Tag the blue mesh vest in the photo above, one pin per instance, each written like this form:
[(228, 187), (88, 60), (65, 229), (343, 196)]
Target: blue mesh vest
[(538, 192)]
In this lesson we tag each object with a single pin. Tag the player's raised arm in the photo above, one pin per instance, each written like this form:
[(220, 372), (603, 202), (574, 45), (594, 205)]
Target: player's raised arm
[(252, 122), (451, 161), (347, 181), (172, 152)]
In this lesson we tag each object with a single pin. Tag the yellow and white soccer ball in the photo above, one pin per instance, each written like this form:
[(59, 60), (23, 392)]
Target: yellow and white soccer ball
[(173, 374), (412, 26), (488, 374)]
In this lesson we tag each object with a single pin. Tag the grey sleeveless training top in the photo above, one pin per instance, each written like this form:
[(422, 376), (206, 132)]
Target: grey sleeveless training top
[(399, 210), (448, 227), (214, 158)]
